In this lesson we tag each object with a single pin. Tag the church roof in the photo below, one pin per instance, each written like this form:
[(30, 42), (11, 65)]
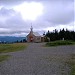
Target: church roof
[(36, 34)]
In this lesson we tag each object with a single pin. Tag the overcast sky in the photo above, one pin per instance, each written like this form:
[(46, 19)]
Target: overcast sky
[(17, 16)]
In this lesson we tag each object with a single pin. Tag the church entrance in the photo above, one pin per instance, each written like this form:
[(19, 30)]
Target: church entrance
[(31, 39)]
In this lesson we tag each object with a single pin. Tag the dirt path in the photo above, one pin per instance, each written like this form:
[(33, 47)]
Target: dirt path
[(38, 60)]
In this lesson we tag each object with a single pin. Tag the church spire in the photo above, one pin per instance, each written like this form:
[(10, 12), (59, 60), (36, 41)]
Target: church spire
[(31, 29)]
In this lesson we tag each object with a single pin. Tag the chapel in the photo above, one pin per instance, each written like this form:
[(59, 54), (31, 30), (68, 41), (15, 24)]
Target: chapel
[(34, 36)]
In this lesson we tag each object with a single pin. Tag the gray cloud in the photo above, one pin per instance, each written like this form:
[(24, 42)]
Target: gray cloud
[(16, 2), (6, 12), (55, 13), (11, 18), (59, 12)]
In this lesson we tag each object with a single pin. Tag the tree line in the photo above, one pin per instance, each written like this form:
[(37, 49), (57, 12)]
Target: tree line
[(21, 41), (60, 35)]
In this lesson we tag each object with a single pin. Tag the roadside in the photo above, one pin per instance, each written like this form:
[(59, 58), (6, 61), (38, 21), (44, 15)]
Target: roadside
[(38, 60)]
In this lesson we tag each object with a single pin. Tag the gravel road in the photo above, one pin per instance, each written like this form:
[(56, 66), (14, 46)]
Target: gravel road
[(38, 60)]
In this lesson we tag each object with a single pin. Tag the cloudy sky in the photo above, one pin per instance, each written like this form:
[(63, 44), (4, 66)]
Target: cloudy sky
[(17, 16)]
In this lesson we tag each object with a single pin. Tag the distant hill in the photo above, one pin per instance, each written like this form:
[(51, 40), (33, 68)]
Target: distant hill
[(10, 38)]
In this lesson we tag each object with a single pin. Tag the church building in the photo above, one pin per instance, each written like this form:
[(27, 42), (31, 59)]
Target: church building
[(33, 36)]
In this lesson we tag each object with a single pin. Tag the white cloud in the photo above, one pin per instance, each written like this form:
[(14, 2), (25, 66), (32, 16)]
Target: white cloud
[(29, 11), (56, 14)]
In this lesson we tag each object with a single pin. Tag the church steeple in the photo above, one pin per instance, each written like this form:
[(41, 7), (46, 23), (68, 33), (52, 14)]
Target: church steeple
[(31, 29), (31, 34)]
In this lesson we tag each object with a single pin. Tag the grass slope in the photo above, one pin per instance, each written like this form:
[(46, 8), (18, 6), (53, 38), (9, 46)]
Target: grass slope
[(58, 43), (12, 47), (5, 48)]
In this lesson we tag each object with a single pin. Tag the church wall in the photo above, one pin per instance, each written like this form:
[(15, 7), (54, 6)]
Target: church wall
[(38, 39), (35, 38)]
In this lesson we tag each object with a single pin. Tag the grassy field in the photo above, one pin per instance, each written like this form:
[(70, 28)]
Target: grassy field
[(4, 48), (58, 43)]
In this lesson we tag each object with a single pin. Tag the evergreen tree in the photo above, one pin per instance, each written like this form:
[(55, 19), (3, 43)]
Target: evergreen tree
[(66, 34)]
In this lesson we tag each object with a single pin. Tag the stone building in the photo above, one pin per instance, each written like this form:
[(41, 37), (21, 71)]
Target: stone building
[(34, 36)]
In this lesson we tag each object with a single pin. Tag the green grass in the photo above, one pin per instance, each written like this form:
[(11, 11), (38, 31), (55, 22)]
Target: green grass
[(3, 57), (4, 48), (71, 63), (58, 43)]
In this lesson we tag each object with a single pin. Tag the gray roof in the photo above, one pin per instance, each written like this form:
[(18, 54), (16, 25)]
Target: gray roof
[(36, 34)]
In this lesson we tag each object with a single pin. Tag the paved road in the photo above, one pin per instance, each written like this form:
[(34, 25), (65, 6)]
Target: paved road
[(38, 60)]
